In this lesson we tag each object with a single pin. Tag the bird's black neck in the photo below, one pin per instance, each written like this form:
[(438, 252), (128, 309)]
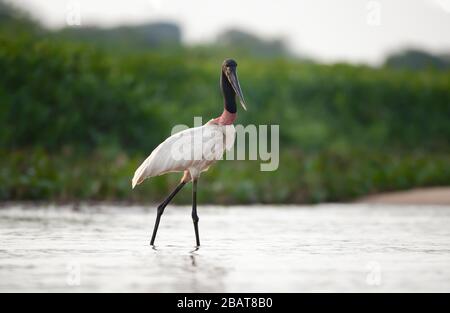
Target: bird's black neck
[(229, 95)]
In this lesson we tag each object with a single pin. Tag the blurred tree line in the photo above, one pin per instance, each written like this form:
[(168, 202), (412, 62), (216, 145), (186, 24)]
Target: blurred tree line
[(77, 116), (415, 59)]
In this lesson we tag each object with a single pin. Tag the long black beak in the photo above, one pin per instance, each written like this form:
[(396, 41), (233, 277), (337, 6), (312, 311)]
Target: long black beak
[(234, 81)]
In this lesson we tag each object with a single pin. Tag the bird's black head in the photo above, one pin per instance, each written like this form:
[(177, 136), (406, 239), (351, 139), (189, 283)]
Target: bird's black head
[(230, 84), (229, 63)]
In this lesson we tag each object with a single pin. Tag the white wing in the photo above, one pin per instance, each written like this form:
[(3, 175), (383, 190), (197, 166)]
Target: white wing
[(193, 149)]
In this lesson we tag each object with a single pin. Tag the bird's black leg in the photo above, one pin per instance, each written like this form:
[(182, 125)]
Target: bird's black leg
[(194, 210), (161, 208)]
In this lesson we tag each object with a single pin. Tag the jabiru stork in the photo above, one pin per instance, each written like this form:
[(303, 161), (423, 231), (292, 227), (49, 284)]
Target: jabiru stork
[(202, 145)]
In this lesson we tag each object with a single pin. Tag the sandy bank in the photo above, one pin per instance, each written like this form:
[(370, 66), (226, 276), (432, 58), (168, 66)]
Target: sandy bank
[(435, 195)]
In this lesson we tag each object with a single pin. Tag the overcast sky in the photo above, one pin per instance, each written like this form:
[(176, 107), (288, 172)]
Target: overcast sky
[(333, 30)]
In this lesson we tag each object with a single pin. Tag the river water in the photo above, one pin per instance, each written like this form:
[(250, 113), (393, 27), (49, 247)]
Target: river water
[(323, 248)]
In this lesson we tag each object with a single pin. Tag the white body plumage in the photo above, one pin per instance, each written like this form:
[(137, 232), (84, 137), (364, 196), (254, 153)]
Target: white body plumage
[(192, 150)]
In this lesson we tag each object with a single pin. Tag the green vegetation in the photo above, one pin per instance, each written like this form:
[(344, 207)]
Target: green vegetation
[(124, 38), (76, 119), (417, 60)]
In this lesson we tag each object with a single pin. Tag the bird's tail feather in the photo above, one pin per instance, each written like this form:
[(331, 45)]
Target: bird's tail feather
[(138, 177)]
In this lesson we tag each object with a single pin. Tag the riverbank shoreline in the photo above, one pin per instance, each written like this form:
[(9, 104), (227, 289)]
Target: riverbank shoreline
[(418, 196), (421, 196)]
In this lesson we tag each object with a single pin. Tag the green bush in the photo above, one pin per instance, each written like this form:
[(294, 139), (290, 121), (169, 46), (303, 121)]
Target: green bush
[(76, 120)]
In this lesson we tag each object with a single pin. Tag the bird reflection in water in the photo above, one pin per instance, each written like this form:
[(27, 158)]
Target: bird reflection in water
[(193, 254)]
